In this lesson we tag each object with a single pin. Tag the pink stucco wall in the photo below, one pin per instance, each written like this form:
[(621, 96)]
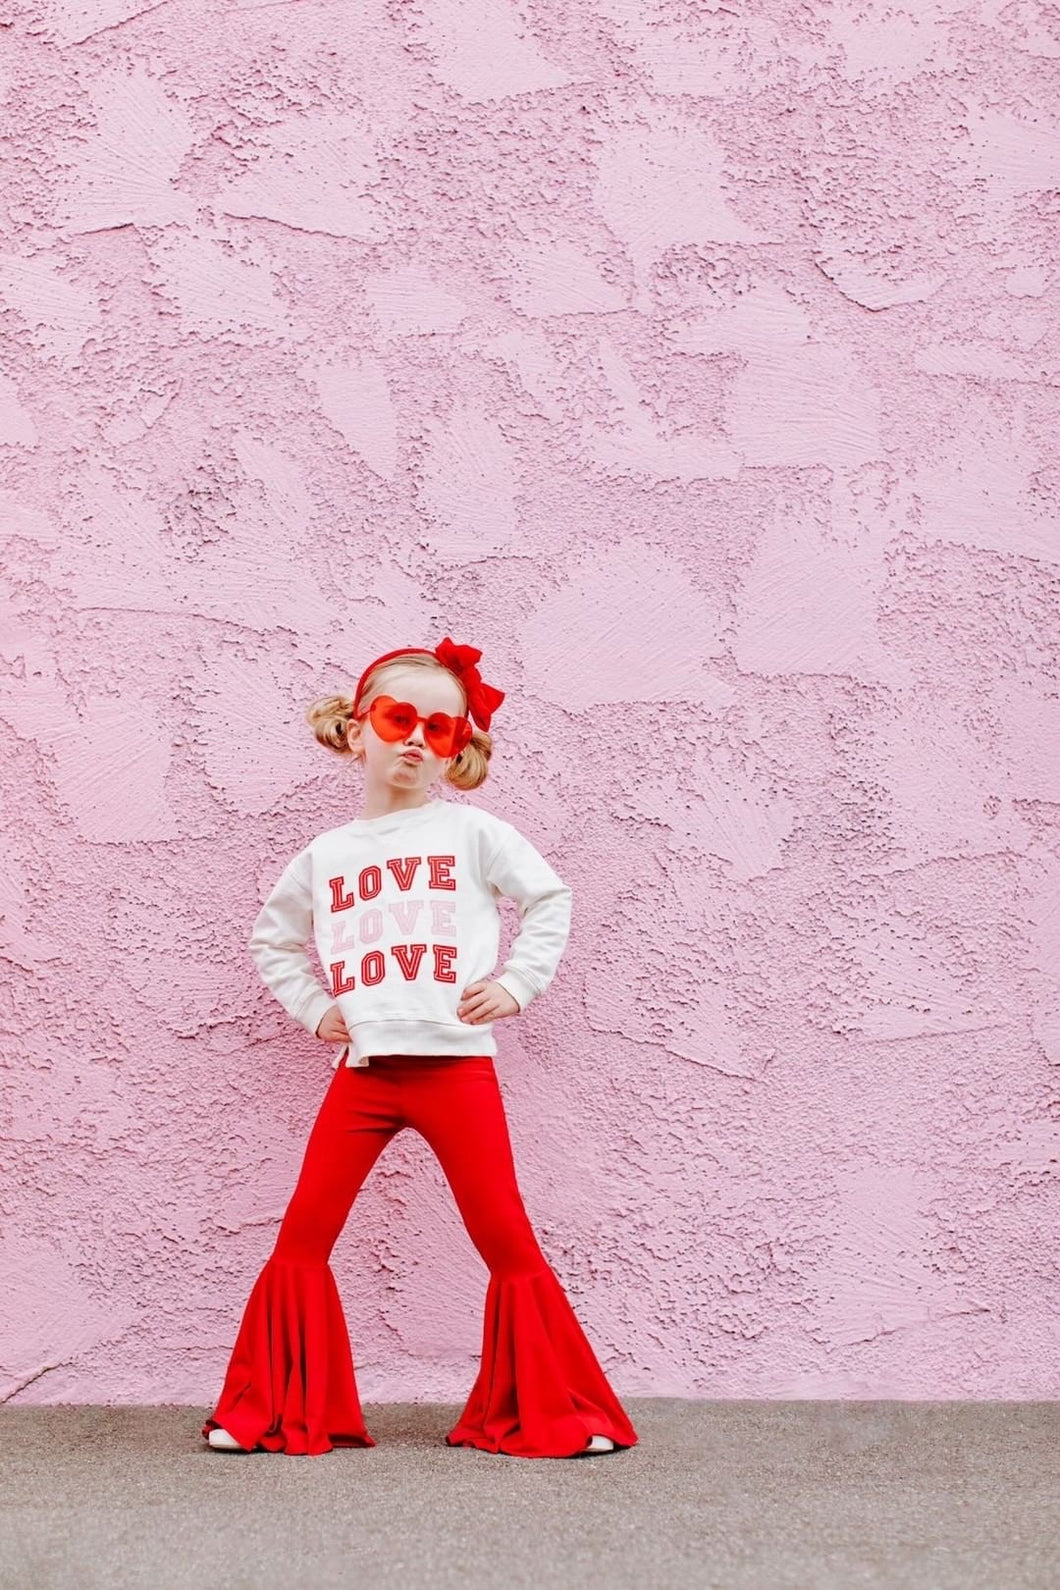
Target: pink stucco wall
[(702, 364)]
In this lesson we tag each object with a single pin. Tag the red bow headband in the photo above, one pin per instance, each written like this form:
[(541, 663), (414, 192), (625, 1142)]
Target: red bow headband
[(482, 699)]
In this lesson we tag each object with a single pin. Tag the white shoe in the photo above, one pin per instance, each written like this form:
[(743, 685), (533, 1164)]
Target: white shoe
[(221, 1441), (600, 1443)]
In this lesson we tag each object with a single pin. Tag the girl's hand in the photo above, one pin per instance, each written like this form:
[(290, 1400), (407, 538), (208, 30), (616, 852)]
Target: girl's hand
[(486, 1001), (332, 1026)]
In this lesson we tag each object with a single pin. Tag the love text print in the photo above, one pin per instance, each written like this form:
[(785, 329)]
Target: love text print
[(379, 903)]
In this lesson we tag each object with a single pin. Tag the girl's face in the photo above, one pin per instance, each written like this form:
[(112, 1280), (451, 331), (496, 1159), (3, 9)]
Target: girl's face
[(387, 764)]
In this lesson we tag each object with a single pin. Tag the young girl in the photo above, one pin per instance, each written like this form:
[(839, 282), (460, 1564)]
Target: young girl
[(401, 903)]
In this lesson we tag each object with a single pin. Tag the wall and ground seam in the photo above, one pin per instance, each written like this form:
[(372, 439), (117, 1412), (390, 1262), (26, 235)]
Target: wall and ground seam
[(702, 365)]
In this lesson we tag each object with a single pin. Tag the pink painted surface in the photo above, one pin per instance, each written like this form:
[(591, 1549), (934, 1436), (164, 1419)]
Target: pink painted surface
[(702, 365)]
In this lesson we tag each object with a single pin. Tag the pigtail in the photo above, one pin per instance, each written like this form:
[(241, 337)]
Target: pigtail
[(329, 717), (468, 770)]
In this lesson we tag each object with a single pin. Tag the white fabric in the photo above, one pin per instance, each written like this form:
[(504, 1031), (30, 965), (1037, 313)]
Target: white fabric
[(419, 888)]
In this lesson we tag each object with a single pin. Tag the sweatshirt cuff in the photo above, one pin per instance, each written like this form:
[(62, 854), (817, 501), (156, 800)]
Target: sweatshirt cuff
[(313, 1013), (516, 985)]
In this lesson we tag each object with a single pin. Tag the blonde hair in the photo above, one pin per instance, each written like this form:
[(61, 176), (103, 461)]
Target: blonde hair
[(330, 717)]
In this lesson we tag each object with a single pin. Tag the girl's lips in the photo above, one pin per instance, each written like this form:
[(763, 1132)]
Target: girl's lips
[(411, 756)]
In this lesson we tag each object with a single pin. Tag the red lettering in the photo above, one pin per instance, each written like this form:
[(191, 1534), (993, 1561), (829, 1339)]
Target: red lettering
[(340, 902), (370, 882), (339, 984), (443, 954), (440, 879), (404, 870), (373, 968), (408, 957)]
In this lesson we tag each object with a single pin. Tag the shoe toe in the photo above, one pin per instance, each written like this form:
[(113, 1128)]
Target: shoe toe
[(221, 1441)]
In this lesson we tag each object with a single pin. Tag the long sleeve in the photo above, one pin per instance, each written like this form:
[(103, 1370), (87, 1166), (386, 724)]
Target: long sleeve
[(278, 939), (520, 872)]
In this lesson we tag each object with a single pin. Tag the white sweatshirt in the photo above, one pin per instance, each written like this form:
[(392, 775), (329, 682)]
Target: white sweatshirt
[(403, 913)]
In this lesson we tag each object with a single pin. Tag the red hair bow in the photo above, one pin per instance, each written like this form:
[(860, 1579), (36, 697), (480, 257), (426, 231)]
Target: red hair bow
[(482, 699)]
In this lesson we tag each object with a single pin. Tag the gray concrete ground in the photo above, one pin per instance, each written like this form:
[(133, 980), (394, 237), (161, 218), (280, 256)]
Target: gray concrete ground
[(719, 1495)]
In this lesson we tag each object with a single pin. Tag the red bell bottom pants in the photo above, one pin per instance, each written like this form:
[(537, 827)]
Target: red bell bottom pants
[(290, 1384)]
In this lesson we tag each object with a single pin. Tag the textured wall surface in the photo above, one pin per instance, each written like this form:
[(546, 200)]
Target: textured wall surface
[(699, 362)]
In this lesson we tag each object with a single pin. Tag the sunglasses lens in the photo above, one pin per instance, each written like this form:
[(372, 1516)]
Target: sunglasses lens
[(391, 719), (439, 731)]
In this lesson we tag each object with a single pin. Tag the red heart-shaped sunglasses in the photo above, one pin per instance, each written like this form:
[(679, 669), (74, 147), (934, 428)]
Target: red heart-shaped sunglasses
[(395, 720)]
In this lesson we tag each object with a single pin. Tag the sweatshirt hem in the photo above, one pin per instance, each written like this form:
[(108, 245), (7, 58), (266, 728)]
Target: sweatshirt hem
[(414, 1037)]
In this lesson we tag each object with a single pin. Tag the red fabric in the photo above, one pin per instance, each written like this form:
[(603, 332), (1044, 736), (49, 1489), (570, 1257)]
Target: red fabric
[(482, 699), (540, 1391), (290, 1385)]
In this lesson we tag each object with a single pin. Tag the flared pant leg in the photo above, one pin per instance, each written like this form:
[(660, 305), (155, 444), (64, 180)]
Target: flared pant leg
[(540, 1390), (290, 1384)]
